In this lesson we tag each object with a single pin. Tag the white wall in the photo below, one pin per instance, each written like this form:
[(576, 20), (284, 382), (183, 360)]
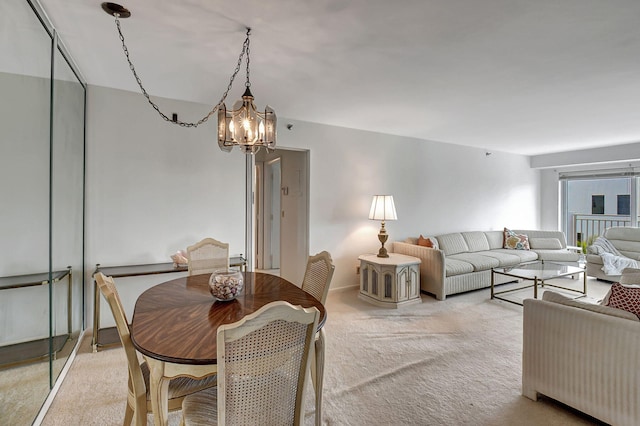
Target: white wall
[(153, 187)]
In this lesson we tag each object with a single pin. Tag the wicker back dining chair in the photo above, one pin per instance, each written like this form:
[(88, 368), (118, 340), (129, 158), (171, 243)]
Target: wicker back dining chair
[(138, 400), (317, 276), (206, 256), (262, 364), (316, 281)]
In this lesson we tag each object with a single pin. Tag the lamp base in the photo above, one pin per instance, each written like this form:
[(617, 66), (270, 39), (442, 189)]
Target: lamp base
[(383, 252), (383, 236)]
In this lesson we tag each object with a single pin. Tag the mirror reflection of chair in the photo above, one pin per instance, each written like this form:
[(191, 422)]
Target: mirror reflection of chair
[(262, 365), (138, 401), (207, 255), (316, 281)]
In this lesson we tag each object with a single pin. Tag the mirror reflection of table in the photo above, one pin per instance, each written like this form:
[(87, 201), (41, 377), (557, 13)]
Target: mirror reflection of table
[(174, 326)]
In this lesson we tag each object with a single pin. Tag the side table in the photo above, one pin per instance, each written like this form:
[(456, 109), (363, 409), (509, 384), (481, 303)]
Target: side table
[(390, 281)]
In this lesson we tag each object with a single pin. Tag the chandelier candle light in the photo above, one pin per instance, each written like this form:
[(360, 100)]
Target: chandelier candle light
[(243, 126), (382, 208)]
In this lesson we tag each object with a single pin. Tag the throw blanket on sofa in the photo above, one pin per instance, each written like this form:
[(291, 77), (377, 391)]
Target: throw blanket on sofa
[(602, 245), (613, 265), (613, 261)]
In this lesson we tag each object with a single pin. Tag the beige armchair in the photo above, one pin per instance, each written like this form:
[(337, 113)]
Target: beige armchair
[(583, 355), (206, 256)]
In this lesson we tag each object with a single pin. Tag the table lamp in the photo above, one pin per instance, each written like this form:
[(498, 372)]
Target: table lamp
[(382, 208)]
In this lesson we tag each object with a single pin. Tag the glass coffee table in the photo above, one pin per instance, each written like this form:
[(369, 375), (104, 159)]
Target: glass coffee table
[(538, 272)]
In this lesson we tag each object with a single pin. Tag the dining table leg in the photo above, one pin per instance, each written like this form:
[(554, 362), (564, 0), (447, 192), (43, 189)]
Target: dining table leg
[(319, 360), (159, 391)]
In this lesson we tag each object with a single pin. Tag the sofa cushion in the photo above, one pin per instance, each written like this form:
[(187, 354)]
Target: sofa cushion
[(552, 296), (524, 255), (515, 241), (495, 239), (505, 259), (476, 241), (545, 243), (535, 233), (558, 255), (625, 298), (479, 262), (452, 243), (456, 267)]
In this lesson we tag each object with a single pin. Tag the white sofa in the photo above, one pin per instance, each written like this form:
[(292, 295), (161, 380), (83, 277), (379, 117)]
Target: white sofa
[(625, 239), (463, 260), (583, 355)]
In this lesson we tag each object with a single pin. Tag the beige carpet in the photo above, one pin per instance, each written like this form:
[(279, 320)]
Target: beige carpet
[(456, 362)]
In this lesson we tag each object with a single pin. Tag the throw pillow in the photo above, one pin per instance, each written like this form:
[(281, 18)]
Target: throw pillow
[(428, 242), (625, 298), (625, 281), (515, 241)]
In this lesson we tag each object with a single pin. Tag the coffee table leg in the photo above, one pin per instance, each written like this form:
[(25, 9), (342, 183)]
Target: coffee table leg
[(492, 282), (535, 287)]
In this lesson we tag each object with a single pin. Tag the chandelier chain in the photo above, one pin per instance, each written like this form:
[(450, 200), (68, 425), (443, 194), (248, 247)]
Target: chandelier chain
[(245, 50), (248, 83)]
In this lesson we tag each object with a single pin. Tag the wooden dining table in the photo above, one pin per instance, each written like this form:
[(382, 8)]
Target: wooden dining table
[(174, 326)]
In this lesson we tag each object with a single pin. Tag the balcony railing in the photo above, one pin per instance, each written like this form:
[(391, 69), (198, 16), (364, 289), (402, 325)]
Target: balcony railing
[(587, 227)]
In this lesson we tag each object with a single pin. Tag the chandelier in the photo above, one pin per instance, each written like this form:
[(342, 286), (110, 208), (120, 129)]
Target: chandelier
[(243, 126)]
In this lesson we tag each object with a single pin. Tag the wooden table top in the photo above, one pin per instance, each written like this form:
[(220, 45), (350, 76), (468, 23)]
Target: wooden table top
[(177, 321)]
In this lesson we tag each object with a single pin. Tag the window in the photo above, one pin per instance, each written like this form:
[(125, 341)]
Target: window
[(624, 204), (583, 198), (597, 204)]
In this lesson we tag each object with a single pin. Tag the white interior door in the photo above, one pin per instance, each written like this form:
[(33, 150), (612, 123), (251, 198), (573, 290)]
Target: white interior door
[(294, 232), (272, 183), (283, 195)]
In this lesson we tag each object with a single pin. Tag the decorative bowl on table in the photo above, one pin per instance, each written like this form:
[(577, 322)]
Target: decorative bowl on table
[(226, 284)]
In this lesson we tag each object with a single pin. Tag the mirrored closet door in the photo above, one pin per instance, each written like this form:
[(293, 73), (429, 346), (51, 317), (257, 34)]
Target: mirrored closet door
[(42, 114)]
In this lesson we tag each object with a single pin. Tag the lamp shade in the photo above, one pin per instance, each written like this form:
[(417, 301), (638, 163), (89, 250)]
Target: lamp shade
[(382, 208)]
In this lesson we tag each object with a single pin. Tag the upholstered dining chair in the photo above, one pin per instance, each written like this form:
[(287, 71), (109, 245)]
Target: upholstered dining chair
[(138, 401), (262, 365), (316, 281), (206, 256)]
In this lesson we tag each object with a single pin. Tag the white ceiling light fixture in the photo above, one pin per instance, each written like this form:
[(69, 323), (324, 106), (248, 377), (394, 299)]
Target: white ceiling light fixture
[(243, 126)]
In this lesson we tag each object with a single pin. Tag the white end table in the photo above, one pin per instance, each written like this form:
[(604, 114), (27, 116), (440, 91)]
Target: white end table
[(390, 281)]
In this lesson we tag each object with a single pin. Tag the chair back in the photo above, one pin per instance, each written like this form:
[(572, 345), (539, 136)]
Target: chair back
[(317, 276), (262, 365), (108, 289), (206, 256)]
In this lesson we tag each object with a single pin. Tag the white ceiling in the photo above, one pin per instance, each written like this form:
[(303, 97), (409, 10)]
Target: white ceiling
[(521, 76)]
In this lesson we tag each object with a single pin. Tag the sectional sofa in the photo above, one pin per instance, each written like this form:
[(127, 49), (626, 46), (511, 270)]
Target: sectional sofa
[(462, 261)]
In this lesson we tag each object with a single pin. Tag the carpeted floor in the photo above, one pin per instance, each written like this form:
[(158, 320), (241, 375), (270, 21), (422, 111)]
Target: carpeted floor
[(456, 362)]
